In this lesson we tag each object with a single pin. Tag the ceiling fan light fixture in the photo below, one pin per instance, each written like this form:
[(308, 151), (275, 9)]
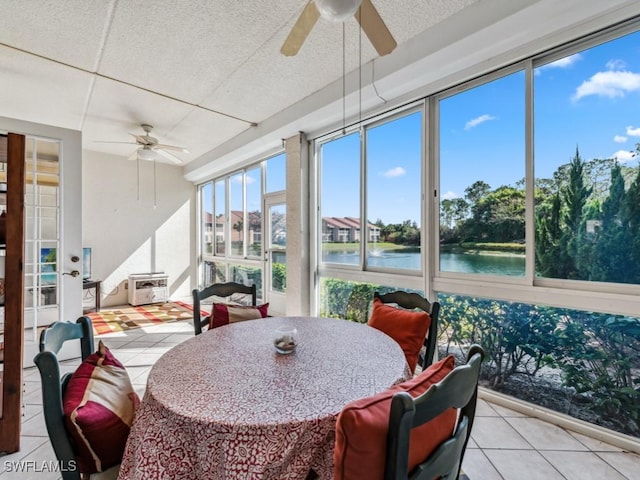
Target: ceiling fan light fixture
[(337, 10), (146, 154)]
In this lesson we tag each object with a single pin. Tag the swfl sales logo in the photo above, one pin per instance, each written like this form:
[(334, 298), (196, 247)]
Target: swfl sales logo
[(25, 466)]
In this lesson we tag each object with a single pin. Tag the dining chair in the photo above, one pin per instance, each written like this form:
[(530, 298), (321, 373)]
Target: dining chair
[(54, 385), (223, 290), (459, 390), (413, 301)]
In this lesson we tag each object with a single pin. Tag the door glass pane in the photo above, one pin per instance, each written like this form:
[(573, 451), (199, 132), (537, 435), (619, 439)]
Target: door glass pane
[(278, 256), (236, 214), (340, 194), (253, 179), (221, 222)]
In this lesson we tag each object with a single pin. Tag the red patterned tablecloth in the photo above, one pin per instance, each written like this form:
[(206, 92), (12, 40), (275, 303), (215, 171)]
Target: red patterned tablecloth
[(224, 405)]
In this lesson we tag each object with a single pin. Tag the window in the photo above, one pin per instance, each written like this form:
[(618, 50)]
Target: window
[(206, 214), (236, 214), (587, 175), (276, 178), (220, 217), (340, 207), (482, 170), (253, 182), (394, 193)]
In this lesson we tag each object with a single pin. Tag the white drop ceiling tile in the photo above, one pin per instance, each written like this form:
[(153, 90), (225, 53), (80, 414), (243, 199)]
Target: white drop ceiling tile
[(187, 48), (69, 31), (37, 90), (116, 110)]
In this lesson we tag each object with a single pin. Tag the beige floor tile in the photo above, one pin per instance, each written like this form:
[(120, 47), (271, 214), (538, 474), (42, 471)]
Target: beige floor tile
[(483, 409), (593, 444), (478, 467), (581, 465), (544, 436), (27, 446), (34, 426), (628, 464), (40, 464), (495, 432), (522, 465)]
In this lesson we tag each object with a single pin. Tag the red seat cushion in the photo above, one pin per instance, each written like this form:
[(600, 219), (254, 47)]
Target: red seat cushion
[(407, 327), (99, 405), (361, 429), (223, 314)]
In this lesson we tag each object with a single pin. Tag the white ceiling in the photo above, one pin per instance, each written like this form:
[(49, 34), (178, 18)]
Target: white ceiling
[(209, 74)]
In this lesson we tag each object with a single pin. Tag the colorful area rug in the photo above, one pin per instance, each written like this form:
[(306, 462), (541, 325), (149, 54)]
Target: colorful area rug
[(126, 318)]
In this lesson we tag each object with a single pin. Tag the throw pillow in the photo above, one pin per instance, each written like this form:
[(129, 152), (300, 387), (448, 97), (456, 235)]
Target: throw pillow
[(407, 327), (99, 405), (361, 429), (224, 314)]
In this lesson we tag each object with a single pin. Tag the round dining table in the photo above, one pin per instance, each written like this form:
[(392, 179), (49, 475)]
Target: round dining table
[(225, 405)]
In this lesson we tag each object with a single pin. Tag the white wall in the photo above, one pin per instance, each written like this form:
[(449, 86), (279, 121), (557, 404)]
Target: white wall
[(128, 235)]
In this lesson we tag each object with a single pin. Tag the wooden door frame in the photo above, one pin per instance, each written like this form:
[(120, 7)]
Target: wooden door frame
[(10, 422)]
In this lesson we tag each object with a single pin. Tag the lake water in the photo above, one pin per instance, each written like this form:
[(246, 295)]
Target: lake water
[(512, 265)]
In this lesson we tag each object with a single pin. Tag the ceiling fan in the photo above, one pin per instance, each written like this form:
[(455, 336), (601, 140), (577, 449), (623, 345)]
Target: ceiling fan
[(150, 149), (338, 11)]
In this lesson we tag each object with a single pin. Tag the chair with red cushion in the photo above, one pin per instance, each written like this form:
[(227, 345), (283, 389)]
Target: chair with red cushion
[(419, 350), (459, 390), (223, 290)]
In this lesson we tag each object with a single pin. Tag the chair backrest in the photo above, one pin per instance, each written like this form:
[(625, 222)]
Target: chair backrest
[(412, 301), (53, 386), (459, 389), (218, 290)]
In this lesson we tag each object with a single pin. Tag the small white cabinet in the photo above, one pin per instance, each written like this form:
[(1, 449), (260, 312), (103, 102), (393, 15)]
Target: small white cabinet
[(148, 288)]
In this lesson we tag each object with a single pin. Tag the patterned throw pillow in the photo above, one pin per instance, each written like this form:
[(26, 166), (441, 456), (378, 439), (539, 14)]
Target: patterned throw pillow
[(361, 428), (99, 406), (224, 314)]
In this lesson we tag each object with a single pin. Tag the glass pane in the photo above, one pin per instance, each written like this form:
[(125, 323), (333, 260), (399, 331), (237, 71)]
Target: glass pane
[(236, 214), (587, 171), (253, 179), (278, 225), (278, 271), (276, 173), (578, 363), (206, 218), (482, 167), (350, 300), (214, 272), (394, 192), (246, 275), (340, 194), (221, 223)]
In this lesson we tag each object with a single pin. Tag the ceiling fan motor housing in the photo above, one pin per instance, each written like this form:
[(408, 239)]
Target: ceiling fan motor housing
[(337, 10)]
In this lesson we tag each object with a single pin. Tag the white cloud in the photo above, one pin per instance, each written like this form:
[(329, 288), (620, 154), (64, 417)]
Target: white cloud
[(610, 84), (478, 120), (619, 139), (616, 64), (449, 195), (623, 155), (564, 62), (250, 180), (633, 132), (395, 172)]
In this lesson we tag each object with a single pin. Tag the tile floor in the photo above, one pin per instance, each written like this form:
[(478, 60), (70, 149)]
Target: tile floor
[(505, 445)]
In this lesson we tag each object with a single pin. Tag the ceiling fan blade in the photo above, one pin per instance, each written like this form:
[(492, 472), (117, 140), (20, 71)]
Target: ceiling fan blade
[(375, 28), (134, 155), (300, 30), (172, 148), (168, 156)]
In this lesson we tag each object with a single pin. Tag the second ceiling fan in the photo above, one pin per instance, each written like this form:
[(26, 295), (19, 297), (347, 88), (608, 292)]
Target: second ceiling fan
[(338, 11)]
